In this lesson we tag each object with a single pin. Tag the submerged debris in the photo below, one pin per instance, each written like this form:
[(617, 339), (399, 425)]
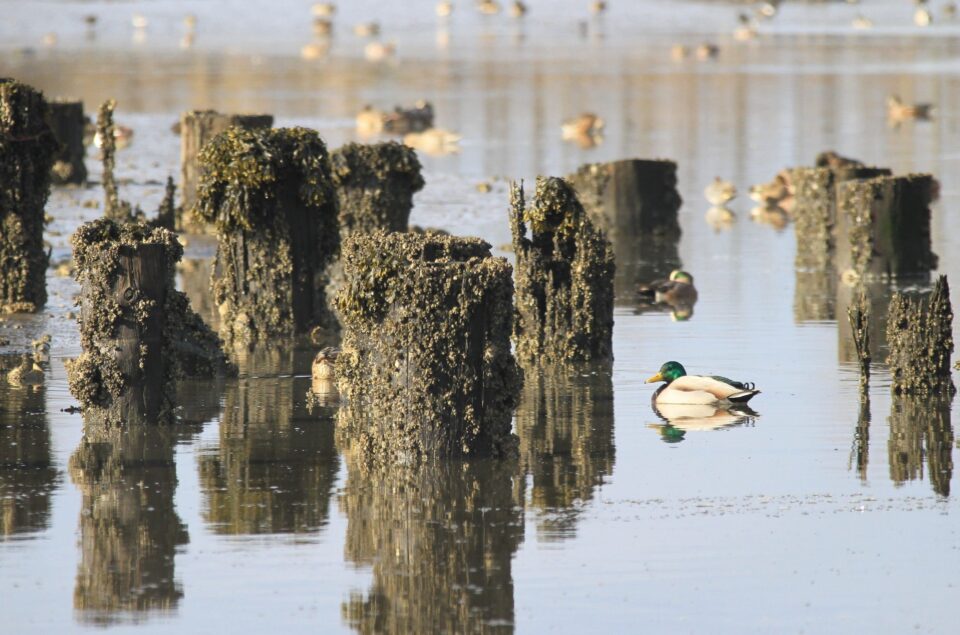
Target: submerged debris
[(920, 339), (270, 194), (565, 270), (425, 366), (138, 333), (27, 149)]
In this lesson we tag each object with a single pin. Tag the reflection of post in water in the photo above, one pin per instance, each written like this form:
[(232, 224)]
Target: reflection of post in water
[(129, 528), (27, 474), (860, 452), (877, 295), (814, 295), (440, 538), (565, 425), (276, 465), (920, 431)]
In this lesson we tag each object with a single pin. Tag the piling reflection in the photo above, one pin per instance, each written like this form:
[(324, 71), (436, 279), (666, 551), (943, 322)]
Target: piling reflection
[(679, 419), (565, 425), (27, 474), (815, 296), (921, 433), (276, 464), (860, 451), (878, 296), (440, 538)]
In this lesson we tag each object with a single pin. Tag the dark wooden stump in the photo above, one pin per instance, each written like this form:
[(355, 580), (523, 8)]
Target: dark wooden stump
[(67, 122)]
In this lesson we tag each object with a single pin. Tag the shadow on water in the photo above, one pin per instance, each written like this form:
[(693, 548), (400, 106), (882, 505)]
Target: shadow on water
[(27, 473), (440, 538), (276, 464), (565, 425)]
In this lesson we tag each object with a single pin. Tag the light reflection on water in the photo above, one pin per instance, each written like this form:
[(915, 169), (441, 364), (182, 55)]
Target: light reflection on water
[(227, 522)]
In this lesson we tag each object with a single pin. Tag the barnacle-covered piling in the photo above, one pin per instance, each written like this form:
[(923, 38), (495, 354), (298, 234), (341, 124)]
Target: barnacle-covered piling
[(138, 333), (197, 128), (425, 367), (67, 122), (114, 208), (564, 298), (920, 340), (375, 185), (271, 196), (884, 226), (635, 202), (27, 148)]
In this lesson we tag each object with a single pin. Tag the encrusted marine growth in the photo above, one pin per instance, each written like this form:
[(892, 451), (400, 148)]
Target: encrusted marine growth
[(425, 367), (564, 300), (375, 185), (271, 196), (27, 148), (920, 340), (137, 331)]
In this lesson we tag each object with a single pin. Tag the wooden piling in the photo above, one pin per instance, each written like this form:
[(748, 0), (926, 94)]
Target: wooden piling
[(920, 340), (67, 122)]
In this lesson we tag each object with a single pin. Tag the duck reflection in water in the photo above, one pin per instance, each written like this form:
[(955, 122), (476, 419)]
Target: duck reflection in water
[(679, 419), (675, 294)]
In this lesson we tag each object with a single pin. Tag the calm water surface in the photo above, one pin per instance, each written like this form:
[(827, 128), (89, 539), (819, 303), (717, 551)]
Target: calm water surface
[(821, 513)]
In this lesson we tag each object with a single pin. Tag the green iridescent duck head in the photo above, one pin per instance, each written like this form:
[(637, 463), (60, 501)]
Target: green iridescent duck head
[(668, 372)]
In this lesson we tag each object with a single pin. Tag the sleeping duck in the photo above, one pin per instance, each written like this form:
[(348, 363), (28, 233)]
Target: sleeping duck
[(678, 289), (681, 388)]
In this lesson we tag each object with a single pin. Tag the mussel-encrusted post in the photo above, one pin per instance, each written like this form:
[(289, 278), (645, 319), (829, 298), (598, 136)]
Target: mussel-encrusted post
[(859, 315), (635, 202), (197, 128), (565, 269), (375, 185), (67, 122), (114, 207), (920, 340), (885, 226), (270, 194), (425, 368), (138, 333), (27, 148)]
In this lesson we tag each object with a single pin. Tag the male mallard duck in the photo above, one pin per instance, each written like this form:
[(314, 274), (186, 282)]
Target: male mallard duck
[(324, 364), (897, 111), (681, 388), (677, 289), (28, 373), (720, 192)]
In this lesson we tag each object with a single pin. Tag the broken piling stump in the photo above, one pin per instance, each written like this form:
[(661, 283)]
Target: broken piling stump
[(271, 196), (920, 341), (197, 128), (67, 122), (114, 208), (425, 366), (27, 149), (635, 202), (883, 228), (138, 333), (565, 269), (375, 185)]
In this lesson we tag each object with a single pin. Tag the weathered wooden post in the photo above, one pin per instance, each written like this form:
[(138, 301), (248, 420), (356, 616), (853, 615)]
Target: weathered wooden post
[(635, 202), (375, 185), (138, 333), (884, 227), (114, 208), (565, 269), (27, 149), (920, 341), (425, 367), (67, 122), (197, 128), (270, 195)]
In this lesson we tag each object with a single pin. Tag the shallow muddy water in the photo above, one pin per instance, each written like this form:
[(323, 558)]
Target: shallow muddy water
[(818, 513)]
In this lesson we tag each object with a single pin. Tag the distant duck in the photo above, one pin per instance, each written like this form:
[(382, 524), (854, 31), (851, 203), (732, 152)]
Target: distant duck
[(139, 21), (862, 23), (122, 137), (50, 39), (897, 111), (370, 120), (41, 349), (518, 9), (322, 27), (679, 52), (444, 8), (720, 192), (768, 9), (681, 388), (323, 9), (778, 192), (950, 10), (190, 21), (488, 7), (746, 30), (324, 364), (675, 290), (585, 124), (404, 120), (379, 51), (922, 16), (706, 51), (598, 7), (435, 141), (314, 50), (366, 29), (28, 373), (90, 20)]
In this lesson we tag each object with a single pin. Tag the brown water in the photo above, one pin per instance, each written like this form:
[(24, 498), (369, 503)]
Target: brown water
[(819, 514)]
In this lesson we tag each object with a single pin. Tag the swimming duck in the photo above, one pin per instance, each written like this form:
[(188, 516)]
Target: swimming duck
[(379, 51), (324, 364), (41, 348), (681, 388), (488, 7), (314, 50), (28, 373), (707, 51), (518, 9), (435, 141), (585, 125), (366, 29), (444, 8), (862, 23), (322, 27), (370, 120), (404, 120), (774, 192), (122, 136), (922, 17), (746, 29), (897, 111), (677, 289), (597, 7), (720, 192), (323, 10)]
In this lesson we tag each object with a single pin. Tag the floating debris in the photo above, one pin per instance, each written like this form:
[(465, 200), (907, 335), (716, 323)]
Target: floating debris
[(920, 341), (565, 270)]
